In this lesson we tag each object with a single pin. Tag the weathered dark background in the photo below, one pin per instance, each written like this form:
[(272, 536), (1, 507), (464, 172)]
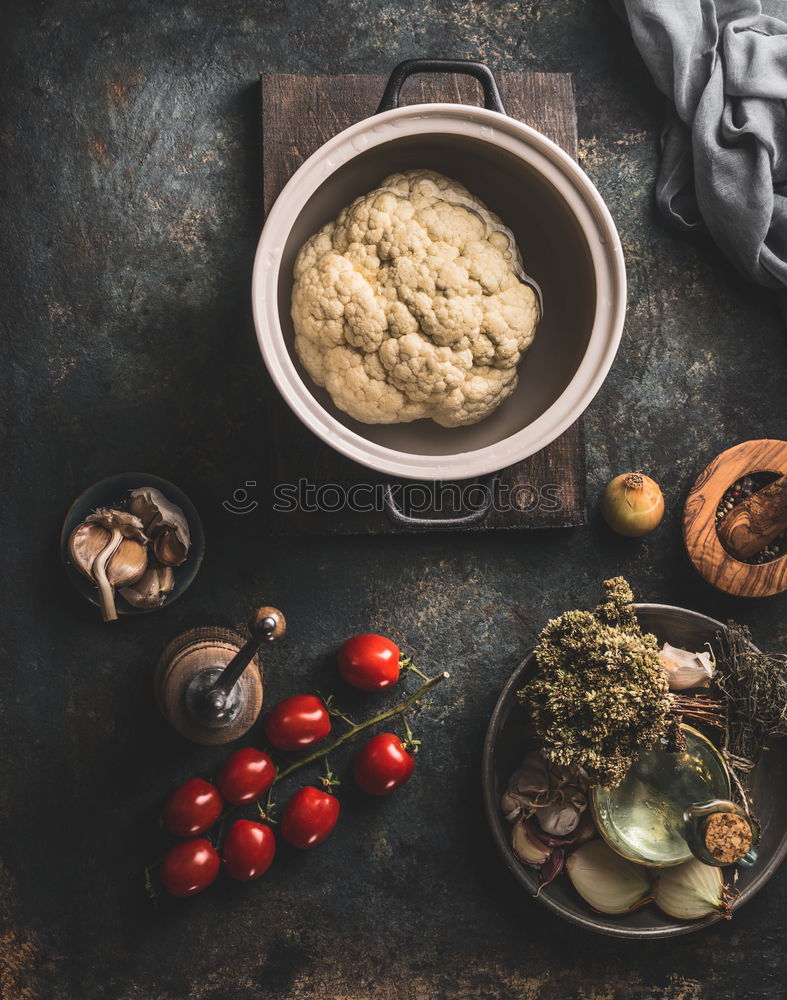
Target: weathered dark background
[(131, 199)]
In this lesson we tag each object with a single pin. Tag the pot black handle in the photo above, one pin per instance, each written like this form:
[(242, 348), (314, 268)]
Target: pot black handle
[(398, 517), (468, 67)]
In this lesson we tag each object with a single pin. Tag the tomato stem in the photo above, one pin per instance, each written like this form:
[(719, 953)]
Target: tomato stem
[(334, 711), (409, 743), (406, 663), (267, 811), (329, 781), (359, 727), (219, 831)]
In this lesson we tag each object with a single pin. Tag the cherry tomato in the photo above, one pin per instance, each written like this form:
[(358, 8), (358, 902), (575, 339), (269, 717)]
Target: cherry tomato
[(189, 867), (309, 817), (297, 722), (248, 850), (382, 764), (369, 662), (245, 776), (192, 808)]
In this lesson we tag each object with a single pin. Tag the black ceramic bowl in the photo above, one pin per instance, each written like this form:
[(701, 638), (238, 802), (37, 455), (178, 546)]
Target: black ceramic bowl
[(503, 752), (113, 492)]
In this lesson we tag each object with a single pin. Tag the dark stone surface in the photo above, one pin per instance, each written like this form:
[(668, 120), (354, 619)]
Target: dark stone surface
[(130, 192)]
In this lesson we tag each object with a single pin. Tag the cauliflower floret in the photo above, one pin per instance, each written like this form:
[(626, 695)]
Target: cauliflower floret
[(412, 304)]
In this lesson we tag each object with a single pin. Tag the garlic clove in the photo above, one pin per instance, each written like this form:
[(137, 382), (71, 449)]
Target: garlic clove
[(685, 669), (512, 807), (169, 549), (527, 847), (691, 891), (128, 563), (559, 819), (585, 830), (605, 880), (160, 515), (152, 589)]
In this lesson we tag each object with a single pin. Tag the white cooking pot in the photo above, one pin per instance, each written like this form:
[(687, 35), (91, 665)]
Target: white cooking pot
[(567, 238)]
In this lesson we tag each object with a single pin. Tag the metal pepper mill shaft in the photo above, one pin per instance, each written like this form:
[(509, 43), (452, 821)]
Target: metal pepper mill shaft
[(208, 681)]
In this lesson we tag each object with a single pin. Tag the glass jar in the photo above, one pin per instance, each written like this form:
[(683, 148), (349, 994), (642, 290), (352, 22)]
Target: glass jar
[(659, 814)]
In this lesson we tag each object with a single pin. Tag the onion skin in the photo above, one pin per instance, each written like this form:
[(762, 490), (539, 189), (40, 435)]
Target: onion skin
[(632, 505)]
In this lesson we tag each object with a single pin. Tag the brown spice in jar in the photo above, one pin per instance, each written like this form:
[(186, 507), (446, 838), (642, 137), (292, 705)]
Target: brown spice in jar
[(727, 837)]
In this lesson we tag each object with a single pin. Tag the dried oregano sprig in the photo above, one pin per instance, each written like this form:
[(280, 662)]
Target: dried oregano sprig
[(600, 693)]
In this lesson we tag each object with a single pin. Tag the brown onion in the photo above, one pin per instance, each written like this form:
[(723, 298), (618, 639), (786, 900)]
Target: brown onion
[(632, 504)]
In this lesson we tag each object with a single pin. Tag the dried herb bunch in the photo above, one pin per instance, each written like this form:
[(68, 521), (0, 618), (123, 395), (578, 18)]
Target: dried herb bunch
[(600, 693), (754, 685)]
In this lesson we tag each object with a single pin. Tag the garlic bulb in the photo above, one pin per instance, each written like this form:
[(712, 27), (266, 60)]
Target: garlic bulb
[(152, 589), (556, 794), (686, 670), (691, 891), (605, 880), (109, 547)]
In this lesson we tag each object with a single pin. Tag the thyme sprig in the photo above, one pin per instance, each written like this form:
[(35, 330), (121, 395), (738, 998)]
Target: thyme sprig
[(754, 685)]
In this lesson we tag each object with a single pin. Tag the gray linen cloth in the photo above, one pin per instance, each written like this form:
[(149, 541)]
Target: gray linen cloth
[(723, 65)]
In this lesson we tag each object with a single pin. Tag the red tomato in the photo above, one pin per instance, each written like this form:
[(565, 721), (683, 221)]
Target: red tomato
[(382, 764), (192, 808), (248, 850), (245, 776), (297, 722), (189, 867), (369, 662), (309, 817)]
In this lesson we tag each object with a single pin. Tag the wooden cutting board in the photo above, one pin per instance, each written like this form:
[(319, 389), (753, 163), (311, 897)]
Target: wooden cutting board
[(299, 114)]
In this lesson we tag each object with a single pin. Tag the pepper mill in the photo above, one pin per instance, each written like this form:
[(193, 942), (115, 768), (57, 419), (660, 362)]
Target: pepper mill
[(208, 681)]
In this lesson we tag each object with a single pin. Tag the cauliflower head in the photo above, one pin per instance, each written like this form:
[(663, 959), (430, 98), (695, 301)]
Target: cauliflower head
[(413, 304)]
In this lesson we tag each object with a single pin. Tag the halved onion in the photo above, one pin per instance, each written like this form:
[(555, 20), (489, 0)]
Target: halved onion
[(605, 880), (691, 891)]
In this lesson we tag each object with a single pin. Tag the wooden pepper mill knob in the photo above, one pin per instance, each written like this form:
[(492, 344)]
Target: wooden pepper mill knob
[(208, 682), (267, 624)]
